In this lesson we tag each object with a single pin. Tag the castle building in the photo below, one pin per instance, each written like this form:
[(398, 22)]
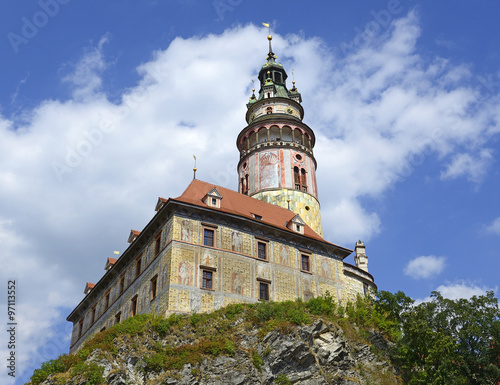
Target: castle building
[(212, 246)]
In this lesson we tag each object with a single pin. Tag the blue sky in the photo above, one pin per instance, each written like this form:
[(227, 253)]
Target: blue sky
[(103, 104)]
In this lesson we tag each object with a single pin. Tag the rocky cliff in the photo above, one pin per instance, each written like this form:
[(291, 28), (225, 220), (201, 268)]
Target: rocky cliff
[(233, 350)]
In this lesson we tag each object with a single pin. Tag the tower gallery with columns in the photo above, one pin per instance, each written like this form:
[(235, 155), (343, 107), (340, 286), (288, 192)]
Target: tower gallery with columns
[(213, 246), (277, 163)]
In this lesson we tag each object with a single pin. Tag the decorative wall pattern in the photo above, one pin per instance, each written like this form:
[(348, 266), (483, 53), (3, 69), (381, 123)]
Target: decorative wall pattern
[(235, 277)]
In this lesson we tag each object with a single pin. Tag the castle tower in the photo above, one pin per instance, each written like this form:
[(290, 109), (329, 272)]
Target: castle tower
[(277, 163)]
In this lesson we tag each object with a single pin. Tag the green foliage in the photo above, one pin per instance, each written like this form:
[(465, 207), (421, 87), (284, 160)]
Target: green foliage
[(47, 368), (91, 372), (266, 352), (174, 358), (257, 360), (133, 325), (229, 347), (282, 379), (195, 319), (234, 310), (450, 341), (324, 305), (162, 325), (291, 311), (437, 342)]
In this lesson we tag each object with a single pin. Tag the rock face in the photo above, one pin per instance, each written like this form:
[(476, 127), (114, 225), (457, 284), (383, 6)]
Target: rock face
[(316, 354)]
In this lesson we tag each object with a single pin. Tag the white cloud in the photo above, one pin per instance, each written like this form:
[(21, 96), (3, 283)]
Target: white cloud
[(459, 289), (85, 78), (425, 266), (78, 174), (494, 227), (474, 167)]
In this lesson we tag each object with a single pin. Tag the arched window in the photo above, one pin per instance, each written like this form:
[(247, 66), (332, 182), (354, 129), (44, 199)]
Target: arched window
[(300, 179), (244, 185)]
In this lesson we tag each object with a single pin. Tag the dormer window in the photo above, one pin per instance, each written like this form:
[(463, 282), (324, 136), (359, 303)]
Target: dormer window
[(161, 202), (258, 217), (88, 287), (133, 235), (109, 263), (296, 224), (213, 198)]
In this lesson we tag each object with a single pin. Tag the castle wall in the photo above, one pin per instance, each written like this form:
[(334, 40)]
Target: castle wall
[(237, 273)]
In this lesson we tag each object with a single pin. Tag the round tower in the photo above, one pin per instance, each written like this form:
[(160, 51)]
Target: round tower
[(277, 164)]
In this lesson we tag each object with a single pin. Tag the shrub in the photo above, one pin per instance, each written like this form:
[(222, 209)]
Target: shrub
[(233, 310), (323, 305), (229, 347), (162, 325), (282, 379), (195, 319), (91, 372), (47, 368), (257, 360)]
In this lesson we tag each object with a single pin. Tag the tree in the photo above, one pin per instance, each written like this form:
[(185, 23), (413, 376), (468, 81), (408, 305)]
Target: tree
[(448, 341)]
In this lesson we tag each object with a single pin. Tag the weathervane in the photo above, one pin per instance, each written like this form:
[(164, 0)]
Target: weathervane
[(269, 37)]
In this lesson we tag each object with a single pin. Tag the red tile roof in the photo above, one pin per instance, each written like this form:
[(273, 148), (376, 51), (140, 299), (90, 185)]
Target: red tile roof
[(233, 202)]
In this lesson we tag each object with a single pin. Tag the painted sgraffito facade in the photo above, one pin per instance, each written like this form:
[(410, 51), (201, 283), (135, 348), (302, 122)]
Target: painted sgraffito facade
[(213, 246)]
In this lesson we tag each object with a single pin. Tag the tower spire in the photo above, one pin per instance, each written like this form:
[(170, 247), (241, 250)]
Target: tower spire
[(277, 163), (271, 56)]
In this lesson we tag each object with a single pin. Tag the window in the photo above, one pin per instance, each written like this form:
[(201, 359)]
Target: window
[(133, 308), (244, 185), (154, 285), (106, 300), (262, 250), (208, 237), (157, 244), (305, 265), (207, 279), (263, 291), (80, 328), (122, 283), (118, 316), (256, 216), (138, 266), (300, 178), (92, 318)]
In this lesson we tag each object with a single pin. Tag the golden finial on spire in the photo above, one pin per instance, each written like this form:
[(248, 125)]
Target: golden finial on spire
[(269, 37), (253, 89)]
